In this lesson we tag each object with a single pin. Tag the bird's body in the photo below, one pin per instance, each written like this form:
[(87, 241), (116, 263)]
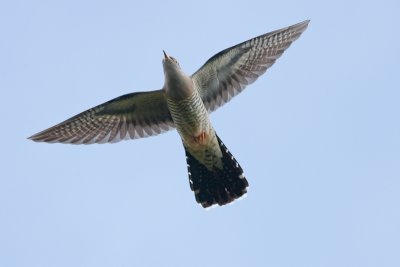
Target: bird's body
[(184, 103), (193, 124), (189, 114)]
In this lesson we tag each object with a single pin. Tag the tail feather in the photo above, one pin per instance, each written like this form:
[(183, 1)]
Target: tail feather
[(216, 186)]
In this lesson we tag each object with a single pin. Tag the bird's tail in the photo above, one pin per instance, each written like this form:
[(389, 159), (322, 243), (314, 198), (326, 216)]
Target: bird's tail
[(216, 186)]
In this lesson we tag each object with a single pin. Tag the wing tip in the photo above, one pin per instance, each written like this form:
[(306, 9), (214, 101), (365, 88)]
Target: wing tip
[(298, 27), (306, 21), (43, 136), (35, 138)]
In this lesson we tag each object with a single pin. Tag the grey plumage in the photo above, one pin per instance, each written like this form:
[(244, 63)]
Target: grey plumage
[(227, 73), (129, 116), (184, 103)]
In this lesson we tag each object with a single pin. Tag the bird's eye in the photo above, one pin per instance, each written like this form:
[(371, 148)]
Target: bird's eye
[(174, 60)]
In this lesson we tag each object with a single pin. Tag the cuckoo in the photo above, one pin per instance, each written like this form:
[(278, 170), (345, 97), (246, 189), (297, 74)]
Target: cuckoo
[(184, 103)]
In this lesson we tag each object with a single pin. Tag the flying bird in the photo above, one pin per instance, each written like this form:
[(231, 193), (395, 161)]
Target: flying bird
[(184, 103)]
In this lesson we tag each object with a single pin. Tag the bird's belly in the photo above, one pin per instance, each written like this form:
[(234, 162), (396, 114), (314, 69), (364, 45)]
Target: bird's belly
[(193, 124), (191, 119)]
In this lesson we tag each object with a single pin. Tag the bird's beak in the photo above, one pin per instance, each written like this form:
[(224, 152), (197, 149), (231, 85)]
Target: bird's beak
[(165, 55)]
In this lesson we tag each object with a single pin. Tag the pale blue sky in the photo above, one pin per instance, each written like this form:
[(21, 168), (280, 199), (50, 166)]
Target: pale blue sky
[(318, 137)]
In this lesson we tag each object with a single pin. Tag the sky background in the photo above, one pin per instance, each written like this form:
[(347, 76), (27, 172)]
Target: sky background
[(318, 137)]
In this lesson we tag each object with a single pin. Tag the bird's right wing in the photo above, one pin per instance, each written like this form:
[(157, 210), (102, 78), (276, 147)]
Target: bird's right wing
[(227, 73), (129, 116)]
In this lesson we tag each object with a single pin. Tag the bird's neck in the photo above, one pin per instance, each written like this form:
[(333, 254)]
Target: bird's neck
[(178, 86)]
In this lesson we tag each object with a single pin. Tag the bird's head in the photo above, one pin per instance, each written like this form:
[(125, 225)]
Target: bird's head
[(177, 84), (170, 63)]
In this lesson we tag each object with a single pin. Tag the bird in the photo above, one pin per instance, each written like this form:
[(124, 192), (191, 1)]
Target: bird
[(184, 103)]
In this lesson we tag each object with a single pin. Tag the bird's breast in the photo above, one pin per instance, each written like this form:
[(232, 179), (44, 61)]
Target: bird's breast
[(178, 86)]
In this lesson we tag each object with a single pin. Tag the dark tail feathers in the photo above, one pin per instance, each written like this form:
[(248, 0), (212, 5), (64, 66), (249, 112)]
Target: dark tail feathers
[(218, 186)]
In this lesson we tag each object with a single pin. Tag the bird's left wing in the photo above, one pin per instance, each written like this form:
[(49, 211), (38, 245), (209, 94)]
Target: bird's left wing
[(129, 116), (227, 73)]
